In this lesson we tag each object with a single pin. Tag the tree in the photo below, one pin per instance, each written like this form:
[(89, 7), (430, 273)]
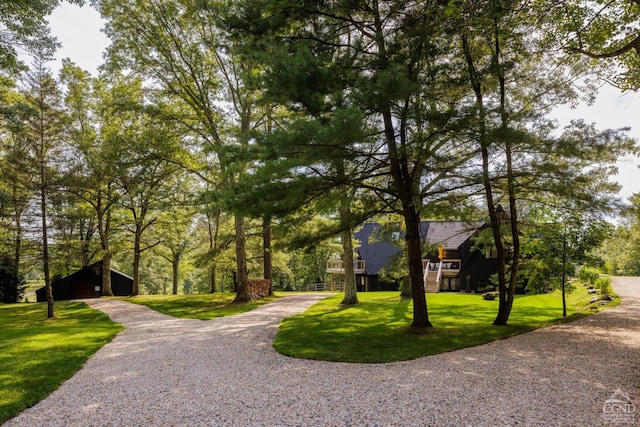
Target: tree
[(621, 251), (175, 226), (15, 189), (551, 254), (145, 146), (307, 163), (44, 135), (91, 178), (74, 223), (178, 46), (378, 63), (515, 82)]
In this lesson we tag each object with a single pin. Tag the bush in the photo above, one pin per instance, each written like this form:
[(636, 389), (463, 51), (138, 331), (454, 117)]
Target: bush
[(588, 275), (604, 285)]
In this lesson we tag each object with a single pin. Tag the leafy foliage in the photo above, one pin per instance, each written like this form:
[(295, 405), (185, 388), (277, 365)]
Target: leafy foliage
[(621, 252)]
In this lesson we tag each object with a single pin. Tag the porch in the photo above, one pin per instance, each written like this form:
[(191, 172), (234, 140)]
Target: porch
[(336, 266), (436, 273)]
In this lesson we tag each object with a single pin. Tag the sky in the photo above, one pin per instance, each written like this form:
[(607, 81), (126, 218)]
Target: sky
[(78, 29)]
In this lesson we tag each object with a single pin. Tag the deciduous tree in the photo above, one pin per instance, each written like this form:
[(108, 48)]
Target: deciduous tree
[(177, 46)]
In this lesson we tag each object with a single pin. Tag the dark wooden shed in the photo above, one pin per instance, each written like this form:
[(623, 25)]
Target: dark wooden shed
[(87, 283)]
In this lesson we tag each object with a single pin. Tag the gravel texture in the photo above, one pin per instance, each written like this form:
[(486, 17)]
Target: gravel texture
[(163, 371)]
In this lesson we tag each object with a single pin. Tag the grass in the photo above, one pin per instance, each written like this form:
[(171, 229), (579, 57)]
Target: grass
[(37, 355), (376, 329), (197, 306)]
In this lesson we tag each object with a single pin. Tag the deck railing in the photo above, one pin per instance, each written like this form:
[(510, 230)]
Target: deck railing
[(444, 265), (337, 266)]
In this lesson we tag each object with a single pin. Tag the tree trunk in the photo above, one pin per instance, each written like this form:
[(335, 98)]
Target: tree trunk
[(103, 231), (507, 295), (405, 190), (176, 272), (564, 275), (212, 279), (86, 242), (45, 251), (414, 258), (242, 280), (350, 290), (18, 233), (136, 265), (266, 247), (213, 226), (106, 275), (488, 189)]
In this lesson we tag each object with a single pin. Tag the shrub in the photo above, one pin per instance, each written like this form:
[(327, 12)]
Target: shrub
[(604, 285), (588, 275)]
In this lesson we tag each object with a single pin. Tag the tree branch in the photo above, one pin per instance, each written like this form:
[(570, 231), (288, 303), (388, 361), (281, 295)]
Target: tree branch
[(634, 44)]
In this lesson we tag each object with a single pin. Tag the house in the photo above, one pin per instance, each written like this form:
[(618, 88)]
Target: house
[(87, 283), (451, 261)]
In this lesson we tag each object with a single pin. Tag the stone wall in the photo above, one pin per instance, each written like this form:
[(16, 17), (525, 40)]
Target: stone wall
[(259, 288)]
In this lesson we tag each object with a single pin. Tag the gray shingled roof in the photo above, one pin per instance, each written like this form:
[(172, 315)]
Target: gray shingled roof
[(450, 234), (376, 253)]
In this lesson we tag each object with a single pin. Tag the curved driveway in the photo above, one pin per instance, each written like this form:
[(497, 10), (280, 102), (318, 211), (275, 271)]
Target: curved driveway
[(163, 371)]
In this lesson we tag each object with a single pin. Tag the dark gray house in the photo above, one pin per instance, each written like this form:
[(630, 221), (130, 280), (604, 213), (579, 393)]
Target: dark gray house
[(450, 262)]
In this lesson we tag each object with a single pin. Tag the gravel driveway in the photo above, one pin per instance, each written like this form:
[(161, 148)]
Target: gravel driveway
[(163, 371)]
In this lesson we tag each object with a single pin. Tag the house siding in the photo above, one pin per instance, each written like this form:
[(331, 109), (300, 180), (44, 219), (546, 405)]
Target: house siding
[(87, 283)]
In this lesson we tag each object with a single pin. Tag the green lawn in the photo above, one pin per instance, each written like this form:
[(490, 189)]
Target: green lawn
[(37, 355), (197, 306), (376, 329)]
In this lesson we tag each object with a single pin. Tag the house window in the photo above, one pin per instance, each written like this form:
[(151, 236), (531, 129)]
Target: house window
[(97, 288)]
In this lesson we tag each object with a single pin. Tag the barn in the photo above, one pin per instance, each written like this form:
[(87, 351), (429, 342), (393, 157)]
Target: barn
[(87, 283)]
